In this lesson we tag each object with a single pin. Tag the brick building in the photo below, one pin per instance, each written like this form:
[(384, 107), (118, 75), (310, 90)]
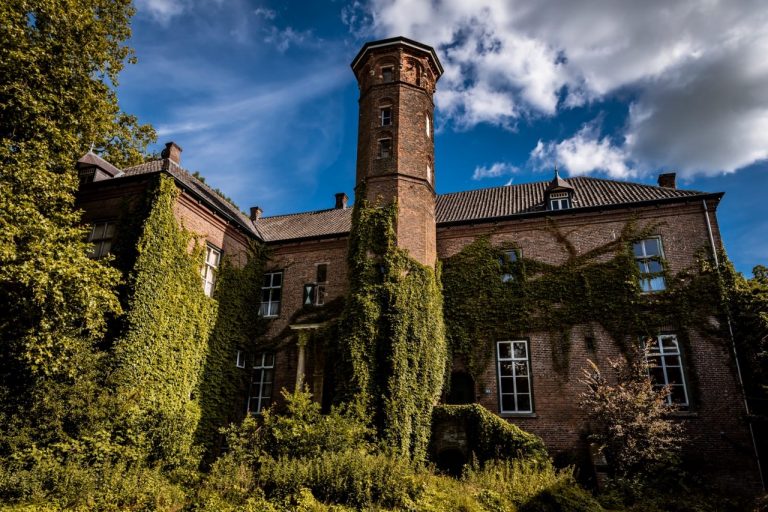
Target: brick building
[(308, 272)]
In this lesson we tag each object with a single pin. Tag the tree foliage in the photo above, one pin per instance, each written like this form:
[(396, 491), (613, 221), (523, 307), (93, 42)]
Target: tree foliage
[(58, 68), (630, 419)]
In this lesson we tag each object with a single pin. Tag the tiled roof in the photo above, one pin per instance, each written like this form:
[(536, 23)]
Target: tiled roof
[(195, 185), (477, 205), (305, 225)]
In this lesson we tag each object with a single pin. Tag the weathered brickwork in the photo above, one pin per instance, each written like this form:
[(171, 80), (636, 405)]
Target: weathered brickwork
[(395, 151), (401, 75)]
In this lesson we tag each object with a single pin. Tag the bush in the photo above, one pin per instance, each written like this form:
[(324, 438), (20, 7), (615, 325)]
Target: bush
[(488, 436), (530, 486)]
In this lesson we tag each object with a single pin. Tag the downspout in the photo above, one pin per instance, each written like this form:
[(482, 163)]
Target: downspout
[(733, 346)]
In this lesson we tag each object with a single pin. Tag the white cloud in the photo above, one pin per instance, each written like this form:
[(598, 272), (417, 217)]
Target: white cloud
[(695, 69), (161, 10), (494, 171), (263, 12), (584, 153)]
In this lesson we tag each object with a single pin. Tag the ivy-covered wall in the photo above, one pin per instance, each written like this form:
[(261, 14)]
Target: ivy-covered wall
[(238, 327), (392, 340), (158, 360), (596, 287)]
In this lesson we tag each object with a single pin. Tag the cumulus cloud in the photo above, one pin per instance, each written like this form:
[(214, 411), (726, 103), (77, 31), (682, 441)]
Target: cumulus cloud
[(694, 71), (494, 171), (584, 153), (161, 11)]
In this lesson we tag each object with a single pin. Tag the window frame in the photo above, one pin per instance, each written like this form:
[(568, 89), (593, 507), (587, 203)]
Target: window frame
[(561, 199), (380, 147), (663, 353), (271, 289), (507, 277), (102, 241), (499, 378), (386, 109), (389, 68), (649, 277), (260, 365), (209, 271), (240, 359)]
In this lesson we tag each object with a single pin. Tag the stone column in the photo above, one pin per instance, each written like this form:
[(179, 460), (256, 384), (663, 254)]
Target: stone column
[(301, 363)]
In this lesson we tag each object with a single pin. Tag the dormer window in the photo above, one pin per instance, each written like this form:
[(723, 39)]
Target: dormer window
[(387, 74), (86, 175), (559, 201)]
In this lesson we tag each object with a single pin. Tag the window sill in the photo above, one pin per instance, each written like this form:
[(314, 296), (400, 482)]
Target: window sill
[(518, 415), (682, 414)]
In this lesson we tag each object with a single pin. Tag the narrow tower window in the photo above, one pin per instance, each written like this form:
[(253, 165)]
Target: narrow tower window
[(429, 126), (387, 74), (385, 148), (386, 116)]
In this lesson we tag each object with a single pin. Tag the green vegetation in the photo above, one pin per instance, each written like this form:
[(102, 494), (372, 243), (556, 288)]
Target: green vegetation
[(393, 343), (599, 287)]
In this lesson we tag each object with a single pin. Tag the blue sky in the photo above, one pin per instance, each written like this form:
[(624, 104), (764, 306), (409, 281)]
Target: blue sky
[(261, 98)]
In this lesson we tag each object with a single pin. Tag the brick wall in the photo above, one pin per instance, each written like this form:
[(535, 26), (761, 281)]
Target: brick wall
[(716, 423)]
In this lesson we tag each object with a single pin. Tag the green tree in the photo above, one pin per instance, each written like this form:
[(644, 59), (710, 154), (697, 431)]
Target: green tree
[(59, 63)]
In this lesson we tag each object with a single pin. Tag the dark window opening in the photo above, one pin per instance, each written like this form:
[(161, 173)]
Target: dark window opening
[(462, 389), (387, 74), (385, 148)]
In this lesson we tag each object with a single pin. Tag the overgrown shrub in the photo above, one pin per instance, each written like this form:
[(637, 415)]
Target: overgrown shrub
[(488, 436), (630, 421)]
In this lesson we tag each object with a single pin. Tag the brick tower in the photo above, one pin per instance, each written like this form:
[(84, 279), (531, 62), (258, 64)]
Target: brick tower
[(395, 143)]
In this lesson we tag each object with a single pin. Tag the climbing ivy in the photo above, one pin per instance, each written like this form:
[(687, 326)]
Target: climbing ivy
[(159, 358), (392, 341), (598, 287), (238, 326)]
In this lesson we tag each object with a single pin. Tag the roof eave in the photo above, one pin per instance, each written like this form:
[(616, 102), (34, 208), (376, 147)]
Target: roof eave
[(372, 45)]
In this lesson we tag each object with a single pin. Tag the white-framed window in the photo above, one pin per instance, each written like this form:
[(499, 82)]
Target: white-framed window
[(210, 268), (559, 201), (262, 378), (429, 173), (101, 237), (385, 148), (665, 367), (387, 74), (271, 293), (385, 116), (240, 359), (514, 374), (428, 124), (509, 256), (648, 255)]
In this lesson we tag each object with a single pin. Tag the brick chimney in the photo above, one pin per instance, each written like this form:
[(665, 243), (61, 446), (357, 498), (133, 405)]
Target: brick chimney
[(667, 180), (172, 152), (341, 201), (256, 212)]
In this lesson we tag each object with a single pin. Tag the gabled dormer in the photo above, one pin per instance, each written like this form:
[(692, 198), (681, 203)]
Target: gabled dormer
[(91, 167), (559, 194)]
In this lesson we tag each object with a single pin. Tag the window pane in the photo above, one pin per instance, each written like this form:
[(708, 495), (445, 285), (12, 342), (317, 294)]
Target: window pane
[(276, 292), (265, 403), (657, 284), (652, 247), (677, 395), (521, 368), (675, 375), (277, 279), (505, 368), (637, 248), (520, 352), (669, 343), (265, 294), (505, 350), (522, 385), (267, 280), (657, 375), (507, 384), (266, 391), (109, 230), (508, 403), (524, 403), (654, 266)]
